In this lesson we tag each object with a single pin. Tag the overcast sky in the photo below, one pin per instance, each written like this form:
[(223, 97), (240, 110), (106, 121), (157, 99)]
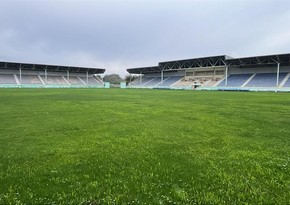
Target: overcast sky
[(119, 34)]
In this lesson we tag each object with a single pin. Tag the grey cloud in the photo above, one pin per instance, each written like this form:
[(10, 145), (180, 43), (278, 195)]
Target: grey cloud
[(127, 33)]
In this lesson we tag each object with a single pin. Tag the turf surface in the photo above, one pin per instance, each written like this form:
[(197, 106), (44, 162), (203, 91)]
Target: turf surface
[(113, 146)]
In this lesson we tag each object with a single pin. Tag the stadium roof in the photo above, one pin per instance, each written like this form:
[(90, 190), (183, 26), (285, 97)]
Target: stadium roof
[(141, 70), (193, 63), (283, 59), (214, 61), (42, 67)]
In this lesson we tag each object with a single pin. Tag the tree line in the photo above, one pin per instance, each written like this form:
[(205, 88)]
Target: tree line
[(117, 79)]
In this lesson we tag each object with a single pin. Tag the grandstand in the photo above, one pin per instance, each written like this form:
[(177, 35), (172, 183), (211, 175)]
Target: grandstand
[(258, 73), (48, 76)]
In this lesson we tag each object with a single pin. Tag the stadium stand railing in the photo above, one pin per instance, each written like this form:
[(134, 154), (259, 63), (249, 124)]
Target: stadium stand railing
[(255, 89), (47, 86), (287, 83)]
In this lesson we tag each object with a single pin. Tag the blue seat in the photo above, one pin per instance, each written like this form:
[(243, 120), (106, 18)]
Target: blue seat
[(266, 80), (236, 80), (171, 80)]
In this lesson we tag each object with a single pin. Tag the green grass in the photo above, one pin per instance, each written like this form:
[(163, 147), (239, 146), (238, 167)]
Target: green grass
[(114, 146)]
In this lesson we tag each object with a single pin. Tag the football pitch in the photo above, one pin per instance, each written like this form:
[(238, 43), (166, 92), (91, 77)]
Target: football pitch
[(127, 146)]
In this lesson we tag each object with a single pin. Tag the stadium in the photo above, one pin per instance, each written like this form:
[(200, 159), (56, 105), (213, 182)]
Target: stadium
[(15, 74), (257, 73), (89, 117)]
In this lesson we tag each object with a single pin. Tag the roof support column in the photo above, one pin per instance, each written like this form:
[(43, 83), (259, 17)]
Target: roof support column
[(226, 80), (87, 78), (161, 77), (140, 78), (20, 76), (45, 76), (67, 75), (278, 73)]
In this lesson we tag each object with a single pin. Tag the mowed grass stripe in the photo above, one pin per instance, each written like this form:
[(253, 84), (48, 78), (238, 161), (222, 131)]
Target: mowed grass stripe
[(115, 146)]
